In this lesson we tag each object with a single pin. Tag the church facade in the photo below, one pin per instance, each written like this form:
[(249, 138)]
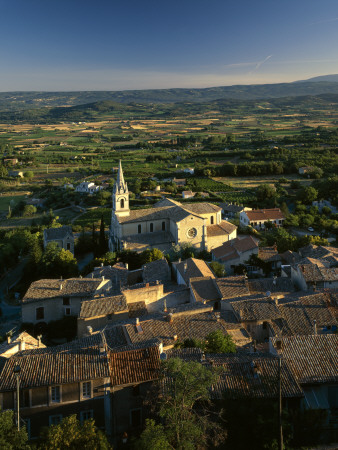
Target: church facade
[(167, 223)]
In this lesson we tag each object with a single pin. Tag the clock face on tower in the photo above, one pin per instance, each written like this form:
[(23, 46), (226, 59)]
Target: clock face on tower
[(192, 233)]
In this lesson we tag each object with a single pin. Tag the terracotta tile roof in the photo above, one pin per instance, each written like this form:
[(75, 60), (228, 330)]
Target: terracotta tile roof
[(268, 254), (184, 327), (204, 288), (72, 287), (231, 287), (134, 366), (264, 309), (300, 315), (317, 251), (103, 306), (220, 229), (190, 308), (69, 363), (187, 354), (156, 270), (30, 342), (234, 247), (137, 309), (252, 376), (228, 207), (230, 320), (312, 359), (314, 273), (194, 268), (54, 234), (280, 285), (289, 257), (118, 274), (265, 214)]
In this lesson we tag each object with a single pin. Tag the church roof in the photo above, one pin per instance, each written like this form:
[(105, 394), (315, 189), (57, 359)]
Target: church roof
[(201, 208)]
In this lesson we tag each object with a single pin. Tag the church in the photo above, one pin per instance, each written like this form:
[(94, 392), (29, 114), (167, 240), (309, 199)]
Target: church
[(166, 224)]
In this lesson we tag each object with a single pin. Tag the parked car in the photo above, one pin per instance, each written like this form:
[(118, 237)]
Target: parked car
[(310, 229)]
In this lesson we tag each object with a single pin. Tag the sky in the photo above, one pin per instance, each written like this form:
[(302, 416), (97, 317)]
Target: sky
[(68, 45)]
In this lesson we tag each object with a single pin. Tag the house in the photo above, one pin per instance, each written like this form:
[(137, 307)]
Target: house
[(314, 275), (158, 270), (204, 289), (19, 342), (180, 182), (11, 161), (118, 274), (168, 222), (232, 287), (50, 299), (234, 252), (87, 187), (232, 210), (191, 268), (189, 170), (313, 361), (15, 173), (56, 382), (63, 236), (304, 170), (188, 194), (258, 218), (95, 314)]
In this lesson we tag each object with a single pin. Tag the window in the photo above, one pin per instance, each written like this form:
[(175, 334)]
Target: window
[(139, 229), (55, 394), (68, 311), (87, 389), (135, 417), (151, 227), (212, 220), (40, 313), (122, 203), (86, 415), (163, 226), (68, 245), (66, 301), (55, 419)]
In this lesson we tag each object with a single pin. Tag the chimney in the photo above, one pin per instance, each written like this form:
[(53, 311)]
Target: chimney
[(39, 340), (203, 357), (170, 318), (165, 305), (175, 337), (179, 260), (147, 285), (90, 330), (276, 300), (9, 338), (137, 321), (22, 345), (315, 327), (102, 277), (240, 314), (61, 287), (127, 266)]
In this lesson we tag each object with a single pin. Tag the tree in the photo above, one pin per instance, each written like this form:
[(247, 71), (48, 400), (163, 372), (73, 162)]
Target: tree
[(217, 342), (57, 262), (184, 425), (29, 210), (10, 437), (218, 269), (71, 434), (153, 437), (102, 238), (308, 194), (28, 174)]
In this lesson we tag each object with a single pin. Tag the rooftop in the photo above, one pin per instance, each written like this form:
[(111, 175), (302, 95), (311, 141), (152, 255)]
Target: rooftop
[(264, 309), (156, 270), (234, 247), (231, 287), (103, 306), (221, 228), (54, 234), (193, 268), (204, 288), (265, 214)]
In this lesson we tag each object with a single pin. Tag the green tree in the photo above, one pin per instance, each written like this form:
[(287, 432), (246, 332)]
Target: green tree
[(72, 435), (153, 437), (102, 238), (218, 269), (217, 342), (57, 262), (308, 194), (185, 426), (29, 210), (10, 437), (28, 174)]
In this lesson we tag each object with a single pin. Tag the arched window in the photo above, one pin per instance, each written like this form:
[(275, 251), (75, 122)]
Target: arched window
[(139, 229), (212, 220), (122, 203), (163, 226), (151, 227)]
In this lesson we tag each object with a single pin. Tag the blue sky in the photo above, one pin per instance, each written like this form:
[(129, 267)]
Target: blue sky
[(112, 44)]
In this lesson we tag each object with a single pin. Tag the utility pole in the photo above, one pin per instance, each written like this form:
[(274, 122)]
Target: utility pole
[(280, 404)]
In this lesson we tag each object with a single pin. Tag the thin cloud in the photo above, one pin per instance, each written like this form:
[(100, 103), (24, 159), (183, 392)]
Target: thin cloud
[(324, 21)]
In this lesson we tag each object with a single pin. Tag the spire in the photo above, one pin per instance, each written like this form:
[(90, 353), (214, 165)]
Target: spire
[(120, 185)]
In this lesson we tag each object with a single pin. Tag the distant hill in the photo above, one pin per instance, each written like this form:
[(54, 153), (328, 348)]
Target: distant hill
[(16, 101), (330, 78)]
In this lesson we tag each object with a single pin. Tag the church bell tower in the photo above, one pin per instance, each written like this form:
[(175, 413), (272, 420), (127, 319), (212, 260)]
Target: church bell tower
[(120, 195)]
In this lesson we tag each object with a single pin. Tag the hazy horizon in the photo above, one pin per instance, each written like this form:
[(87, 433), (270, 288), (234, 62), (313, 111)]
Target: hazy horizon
[(113, 46)]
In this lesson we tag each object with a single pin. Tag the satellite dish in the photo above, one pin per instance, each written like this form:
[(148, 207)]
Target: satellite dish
[(268, 293)]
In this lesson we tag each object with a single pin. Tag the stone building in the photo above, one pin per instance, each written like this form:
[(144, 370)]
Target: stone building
[(63, 236), (166, 224)]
